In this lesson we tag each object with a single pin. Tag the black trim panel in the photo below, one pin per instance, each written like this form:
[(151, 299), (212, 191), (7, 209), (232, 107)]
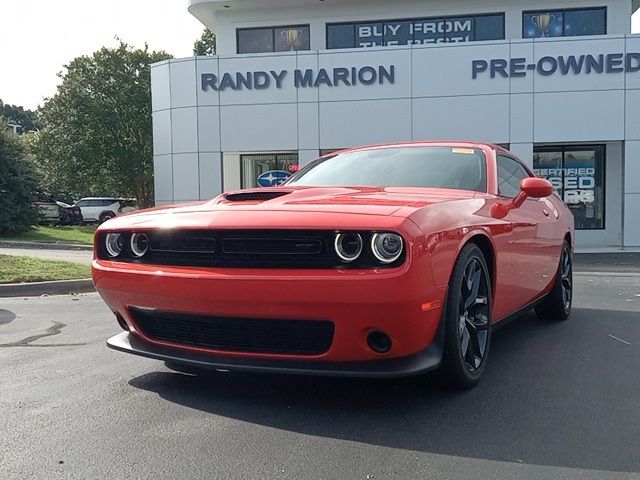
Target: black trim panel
[(415, 364)]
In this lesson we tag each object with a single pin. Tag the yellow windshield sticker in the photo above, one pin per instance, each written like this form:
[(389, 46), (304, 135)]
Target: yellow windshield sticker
[(468, 151)]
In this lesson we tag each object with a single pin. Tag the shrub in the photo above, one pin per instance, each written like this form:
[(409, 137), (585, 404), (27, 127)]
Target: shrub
[(18, 186)]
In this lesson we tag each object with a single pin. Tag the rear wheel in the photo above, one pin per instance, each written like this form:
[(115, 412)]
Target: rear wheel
[(467, 320), (557, 304), (104, 216)]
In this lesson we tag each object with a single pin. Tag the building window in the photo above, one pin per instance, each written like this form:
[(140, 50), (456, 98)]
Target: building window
[(577, 174), (267, 170), (564, 23), (273, 39), (415, 31)]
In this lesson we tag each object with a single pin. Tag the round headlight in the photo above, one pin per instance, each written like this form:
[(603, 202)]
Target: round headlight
[(139, 244), (114, 243), (348, 246), (386, 247)]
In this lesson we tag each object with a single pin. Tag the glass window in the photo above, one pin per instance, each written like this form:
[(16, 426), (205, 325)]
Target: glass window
[(585, 22), (397, 33), (560, 23), (255, 40), (489, 27), (267, 170), (577, 174), (416, 31), (340, 36), (510, 174), (428, 30), (458, 29), (441, 167), (369, 35), (291, 38), (273, 39)]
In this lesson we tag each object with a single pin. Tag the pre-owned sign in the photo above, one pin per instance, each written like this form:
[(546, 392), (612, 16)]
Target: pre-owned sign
[(563, 65)]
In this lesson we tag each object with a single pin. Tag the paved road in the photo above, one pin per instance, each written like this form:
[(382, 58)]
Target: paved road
[(79, 256), (559, 400)]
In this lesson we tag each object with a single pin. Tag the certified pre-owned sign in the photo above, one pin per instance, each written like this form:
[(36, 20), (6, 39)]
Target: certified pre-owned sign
[(562, 65)]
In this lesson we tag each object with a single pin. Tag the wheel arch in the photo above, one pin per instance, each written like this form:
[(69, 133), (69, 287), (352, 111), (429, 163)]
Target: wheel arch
[(486, 246)]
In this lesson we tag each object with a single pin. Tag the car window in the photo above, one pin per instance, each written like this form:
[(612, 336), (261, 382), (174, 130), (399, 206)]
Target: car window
[(510, 174), (436, 167), (82, 203)]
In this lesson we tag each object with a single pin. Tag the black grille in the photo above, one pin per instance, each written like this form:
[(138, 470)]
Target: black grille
[(295, 337), (246, 249)]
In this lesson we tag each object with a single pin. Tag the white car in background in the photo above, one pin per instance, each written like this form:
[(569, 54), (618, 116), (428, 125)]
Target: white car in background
[(101, 209)]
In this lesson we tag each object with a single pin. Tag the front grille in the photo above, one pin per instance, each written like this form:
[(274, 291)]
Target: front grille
[(246, 249), (295, 337)]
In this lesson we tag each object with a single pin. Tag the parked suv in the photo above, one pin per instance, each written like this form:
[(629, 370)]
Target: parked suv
[(101, 209)]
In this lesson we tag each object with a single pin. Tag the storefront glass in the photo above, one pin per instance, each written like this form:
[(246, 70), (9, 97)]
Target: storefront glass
[(276, 39), (577, 174), (267, 170)]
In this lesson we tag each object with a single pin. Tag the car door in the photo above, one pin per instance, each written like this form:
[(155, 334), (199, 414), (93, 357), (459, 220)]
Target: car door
[(531, 246)]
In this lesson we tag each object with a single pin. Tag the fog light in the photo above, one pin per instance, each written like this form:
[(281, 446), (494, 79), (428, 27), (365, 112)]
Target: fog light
[(379, 342)]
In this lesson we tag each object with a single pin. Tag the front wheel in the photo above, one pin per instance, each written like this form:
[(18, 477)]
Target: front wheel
[(467, 320), (557, 304)]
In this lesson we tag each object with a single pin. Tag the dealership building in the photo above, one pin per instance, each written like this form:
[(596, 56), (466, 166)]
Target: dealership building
[(556, 82)]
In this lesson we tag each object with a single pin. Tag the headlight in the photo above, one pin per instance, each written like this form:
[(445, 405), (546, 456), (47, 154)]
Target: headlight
[(114, 243), (348, 246), (386, 247), (139, 244)]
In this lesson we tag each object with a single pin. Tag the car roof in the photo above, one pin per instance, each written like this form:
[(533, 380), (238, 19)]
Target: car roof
[(106, 198), (425, 143)]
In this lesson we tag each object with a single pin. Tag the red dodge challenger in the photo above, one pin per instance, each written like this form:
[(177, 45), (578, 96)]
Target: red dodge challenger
[(378, 261)]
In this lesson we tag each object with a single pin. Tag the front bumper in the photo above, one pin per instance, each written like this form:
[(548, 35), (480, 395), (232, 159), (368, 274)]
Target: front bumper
[(415, 364), (402, 302)]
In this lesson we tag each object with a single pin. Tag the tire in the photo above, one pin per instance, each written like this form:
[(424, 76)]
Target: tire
[(557, 304), (467, 329), (104, 216)]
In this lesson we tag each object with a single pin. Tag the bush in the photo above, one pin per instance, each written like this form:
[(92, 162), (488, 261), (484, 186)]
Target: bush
[(18, 186)]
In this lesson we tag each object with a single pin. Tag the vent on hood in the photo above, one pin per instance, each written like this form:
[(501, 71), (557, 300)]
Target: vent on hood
[(254, 196)]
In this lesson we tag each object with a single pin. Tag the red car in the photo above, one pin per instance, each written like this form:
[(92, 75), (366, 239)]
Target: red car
[(380, 261)]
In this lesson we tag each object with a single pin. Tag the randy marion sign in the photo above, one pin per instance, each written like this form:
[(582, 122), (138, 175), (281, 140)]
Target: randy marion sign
[(308, 78)]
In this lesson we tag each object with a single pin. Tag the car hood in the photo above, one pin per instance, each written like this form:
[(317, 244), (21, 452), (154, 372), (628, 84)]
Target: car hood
[(291, 206)]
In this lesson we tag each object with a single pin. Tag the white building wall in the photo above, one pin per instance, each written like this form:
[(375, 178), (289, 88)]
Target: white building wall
[(433, 96)]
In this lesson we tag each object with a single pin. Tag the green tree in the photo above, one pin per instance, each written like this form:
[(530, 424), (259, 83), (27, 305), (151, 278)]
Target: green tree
[(18, 115), (98, 135), (18, 186), (206, 45)]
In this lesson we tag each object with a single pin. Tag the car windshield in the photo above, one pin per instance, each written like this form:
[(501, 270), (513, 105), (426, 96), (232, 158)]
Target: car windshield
[(439, 167)]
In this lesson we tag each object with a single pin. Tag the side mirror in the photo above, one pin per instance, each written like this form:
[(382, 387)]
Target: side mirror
[(533, 187), (536, 187)]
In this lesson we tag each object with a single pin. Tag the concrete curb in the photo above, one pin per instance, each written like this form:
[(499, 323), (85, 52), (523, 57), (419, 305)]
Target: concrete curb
[(57, 287), (44, 246)]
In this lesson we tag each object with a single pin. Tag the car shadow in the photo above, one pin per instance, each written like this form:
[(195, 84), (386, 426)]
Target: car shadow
[(555, 393), (6, 316)]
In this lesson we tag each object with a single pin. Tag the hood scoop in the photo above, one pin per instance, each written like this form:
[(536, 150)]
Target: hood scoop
[(253, 196)]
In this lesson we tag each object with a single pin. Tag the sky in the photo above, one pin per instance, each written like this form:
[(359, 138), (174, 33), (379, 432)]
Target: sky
[(37, 37)]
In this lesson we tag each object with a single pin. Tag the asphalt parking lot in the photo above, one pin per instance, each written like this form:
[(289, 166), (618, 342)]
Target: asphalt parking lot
[(558, 400)]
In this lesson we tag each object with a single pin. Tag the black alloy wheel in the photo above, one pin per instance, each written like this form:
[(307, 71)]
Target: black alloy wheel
[(467, 319), (557, 304)]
